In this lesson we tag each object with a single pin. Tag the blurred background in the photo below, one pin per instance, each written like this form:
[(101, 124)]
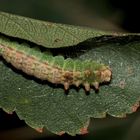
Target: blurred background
[(103, 14), (109, 15)]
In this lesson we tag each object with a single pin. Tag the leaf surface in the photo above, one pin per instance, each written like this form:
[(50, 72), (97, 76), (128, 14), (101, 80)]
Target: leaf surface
[(47, 34), (42, 104)]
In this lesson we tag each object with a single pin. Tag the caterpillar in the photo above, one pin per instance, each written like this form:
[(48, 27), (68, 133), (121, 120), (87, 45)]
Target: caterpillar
[(55, 69)]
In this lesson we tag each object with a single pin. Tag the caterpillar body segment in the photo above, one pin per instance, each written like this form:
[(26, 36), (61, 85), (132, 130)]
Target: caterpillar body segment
[(56, 69)]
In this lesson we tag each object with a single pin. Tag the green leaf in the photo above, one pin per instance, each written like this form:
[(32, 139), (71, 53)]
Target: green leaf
[(42, 104), (47, 34), (48, 106)]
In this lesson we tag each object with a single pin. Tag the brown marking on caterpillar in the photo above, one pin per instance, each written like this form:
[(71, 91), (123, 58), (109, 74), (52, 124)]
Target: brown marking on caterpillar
[(55, 74), (87, 73), (68, 76)]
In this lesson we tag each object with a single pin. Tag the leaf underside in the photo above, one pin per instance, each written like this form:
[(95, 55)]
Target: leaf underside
[(47, 105)]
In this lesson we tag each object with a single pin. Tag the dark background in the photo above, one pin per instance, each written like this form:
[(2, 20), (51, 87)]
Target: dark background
[(112, 15), (102, 14)]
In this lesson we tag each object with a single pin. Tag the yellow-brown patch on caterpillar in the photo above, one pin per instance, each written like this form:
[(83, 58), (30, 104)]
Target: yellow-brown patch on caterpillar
[(68, 76), (87, 73)]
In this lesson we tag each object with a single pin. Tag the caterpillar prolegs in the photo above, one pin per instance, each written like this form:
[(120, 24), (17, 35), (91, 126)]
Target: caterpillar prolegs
[(54, 69)]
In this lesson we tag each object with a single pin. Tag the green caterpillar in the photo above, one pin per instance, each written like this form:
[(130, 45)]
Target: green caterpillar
[(54, 69)]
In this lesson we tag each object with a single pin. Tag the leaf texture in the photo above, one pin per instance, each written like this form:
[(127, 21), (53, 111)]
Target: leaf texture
[(42, 104)]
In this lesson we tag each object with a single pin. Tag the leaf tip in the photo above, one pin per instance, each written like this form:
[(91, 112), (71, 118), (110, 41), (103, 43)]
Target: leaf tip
[(135, 107), (61, 133), (40, 130), (10, 113), (83, 131)]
